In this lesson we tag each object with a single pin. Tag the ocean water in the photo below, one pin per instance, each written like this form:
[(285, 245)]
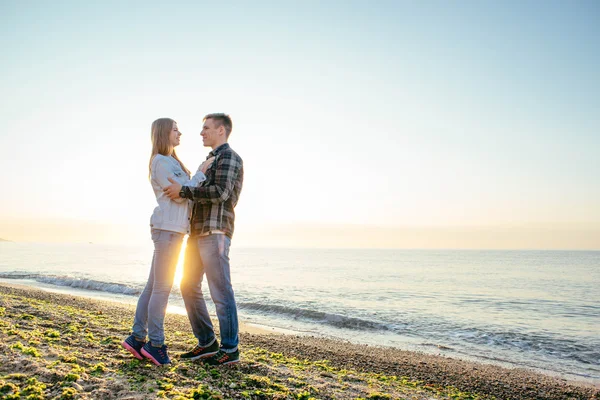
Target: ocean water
[(531, 309)]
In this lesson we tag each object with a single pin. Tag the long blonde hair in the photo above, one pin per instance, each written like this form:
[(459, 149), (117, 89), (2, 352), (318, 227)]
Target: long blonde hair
[(159, 134)]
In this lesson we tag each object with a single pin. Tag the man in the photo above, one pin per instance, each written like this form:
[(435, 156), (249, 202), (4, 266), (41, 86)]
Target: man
[(208, 245)]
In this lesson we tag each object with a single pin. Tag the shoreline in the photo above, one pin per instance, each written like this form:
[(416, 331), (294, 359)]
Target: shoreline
[(321, 367), (265, 328)]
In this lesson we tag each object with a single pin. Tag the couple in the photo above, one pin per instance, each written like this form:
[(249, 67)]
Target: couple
[(201, 206)]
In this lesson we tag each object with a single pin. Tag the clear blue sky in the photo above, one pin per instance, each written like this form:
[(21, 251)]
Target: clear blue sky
[(364, 113)]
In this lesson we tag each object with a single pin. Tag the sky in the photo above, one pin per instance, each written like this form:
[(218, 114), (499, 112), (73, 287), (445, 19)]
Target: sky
[(361, 123)]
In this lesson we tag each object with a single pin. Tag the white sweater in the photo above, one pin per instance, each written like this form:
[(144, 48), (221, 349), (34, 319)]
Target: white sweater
[(171, 215)]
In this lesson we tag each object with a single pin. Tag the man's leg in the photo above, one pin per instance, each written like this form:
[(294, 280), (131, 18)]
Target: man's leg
[(214, 251), (191, 291)]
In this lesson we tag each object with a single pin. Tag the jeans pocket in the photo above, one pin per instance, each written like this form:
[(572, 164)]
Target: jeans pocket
[(223, 244), (174, 237), (155, 234)]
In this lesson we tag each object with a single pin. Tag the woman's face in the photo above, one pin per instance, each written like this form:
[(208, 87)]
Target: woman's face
[(174, 135)]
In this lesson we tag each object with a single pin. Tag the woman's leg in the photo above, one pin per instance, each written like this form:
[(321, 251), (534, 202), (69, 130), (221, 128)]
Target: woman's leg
[(166, 253), (140, 322)]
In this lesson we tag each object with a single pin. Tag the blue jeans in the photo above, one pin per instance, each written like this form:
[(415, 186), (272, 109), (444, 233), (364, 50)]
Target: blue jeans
[(210, 255), (152, 304)]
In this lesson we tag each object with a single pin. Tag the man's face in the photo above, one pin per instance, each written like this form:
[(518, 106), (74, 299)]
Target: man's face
[(210, 133)]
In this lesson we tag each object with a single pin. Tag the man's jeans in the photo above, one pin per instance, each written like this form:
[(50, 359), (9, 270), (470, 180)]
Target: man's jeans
[(152, 304), (210, 255)]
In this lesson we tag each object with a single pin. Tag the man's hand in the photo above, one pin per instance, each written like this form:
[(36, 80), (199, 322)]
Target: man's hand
[(172, 191)]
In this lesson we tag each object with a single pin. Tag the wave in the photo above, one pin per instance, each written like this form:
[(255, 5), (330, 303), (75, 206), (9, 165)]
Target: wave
[(445, 334), (448, 335), (564, 347), (336, 320), (78, 283)]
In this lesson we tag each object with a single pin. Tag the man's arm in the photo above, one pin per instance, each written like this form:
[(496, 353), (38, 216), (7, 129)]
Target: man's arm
[(161, 172), (227, 170), (173, 189)]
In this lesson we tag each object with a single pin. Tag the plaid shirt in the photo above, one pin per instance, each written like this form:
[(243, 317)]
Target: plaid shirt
[(215, 198)]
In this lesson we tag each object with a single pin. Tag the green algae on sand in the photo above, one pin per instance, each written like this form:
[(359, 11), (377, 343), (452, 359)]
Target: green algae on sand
[(56, 346)]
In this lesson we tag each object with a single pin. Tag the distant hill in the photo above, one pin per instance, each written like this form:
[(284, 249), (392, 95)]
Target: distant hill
[(4, 240)]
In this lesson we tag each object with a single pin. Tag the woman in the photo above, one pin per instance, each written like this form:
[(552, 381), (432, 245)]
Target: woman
[(169, 223)]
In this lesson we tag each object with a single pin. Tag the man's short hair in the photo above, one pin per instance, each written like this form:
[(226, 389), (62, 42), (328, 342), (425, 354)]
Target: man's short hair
[(221, 119)]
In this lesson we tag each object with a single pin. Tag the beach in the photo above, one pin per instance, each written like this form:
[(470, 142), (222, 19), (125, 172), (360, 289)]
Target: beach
[(64, 346)]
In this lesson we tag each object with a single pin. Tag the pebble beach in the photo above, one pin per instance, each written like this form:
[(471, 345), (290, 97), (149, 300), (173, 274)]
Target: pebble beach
[(59, 346)]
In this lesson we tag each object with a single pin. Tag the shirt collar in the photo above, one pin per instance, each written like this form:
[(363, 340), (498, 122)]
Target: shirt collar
[(218, 150)]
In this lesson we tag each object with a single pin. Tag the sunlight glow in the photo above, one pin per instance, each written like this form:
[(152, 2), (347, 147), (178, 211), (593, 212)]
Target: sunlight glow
[(179, 270)]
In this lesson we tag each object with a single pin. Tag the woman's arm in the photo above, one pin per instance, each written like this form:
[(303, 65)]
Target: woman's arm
[(200, 176), (196, 180)]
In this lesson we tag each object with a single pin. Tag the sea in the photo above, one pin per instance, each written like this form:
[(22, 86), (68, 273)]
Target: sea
[(538, 310)]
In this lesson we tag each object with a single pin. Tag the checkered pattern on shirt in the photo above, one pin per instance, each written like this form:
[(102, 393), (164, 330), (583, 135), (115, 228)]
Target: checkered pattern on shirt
[(215, 198)]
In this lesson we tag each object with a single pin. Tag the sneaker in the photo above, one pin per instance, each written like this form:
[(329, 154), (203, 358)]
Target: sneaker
[(201, 352), (223, 358), (134, 346), (158, 355)]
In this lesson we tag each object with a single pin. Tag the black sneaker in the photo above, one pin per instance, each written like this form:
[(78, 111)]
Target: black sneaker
[(201, 352), (134, 346), (158, 355), (223, 358)]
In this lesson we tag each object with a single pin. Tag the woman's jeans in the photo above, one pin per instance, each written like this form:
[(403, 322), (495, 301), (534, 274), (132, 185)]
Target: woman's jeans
[(152, 304), (210, 255)]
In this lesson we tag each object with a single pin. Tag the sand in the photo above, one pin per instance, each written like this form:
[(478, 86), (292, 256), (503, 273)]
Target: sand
[(63, 346)]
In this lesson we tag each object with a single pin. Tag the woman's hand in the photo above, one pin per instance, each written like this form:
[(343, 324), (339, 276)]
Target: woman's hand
[(206, 164)]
